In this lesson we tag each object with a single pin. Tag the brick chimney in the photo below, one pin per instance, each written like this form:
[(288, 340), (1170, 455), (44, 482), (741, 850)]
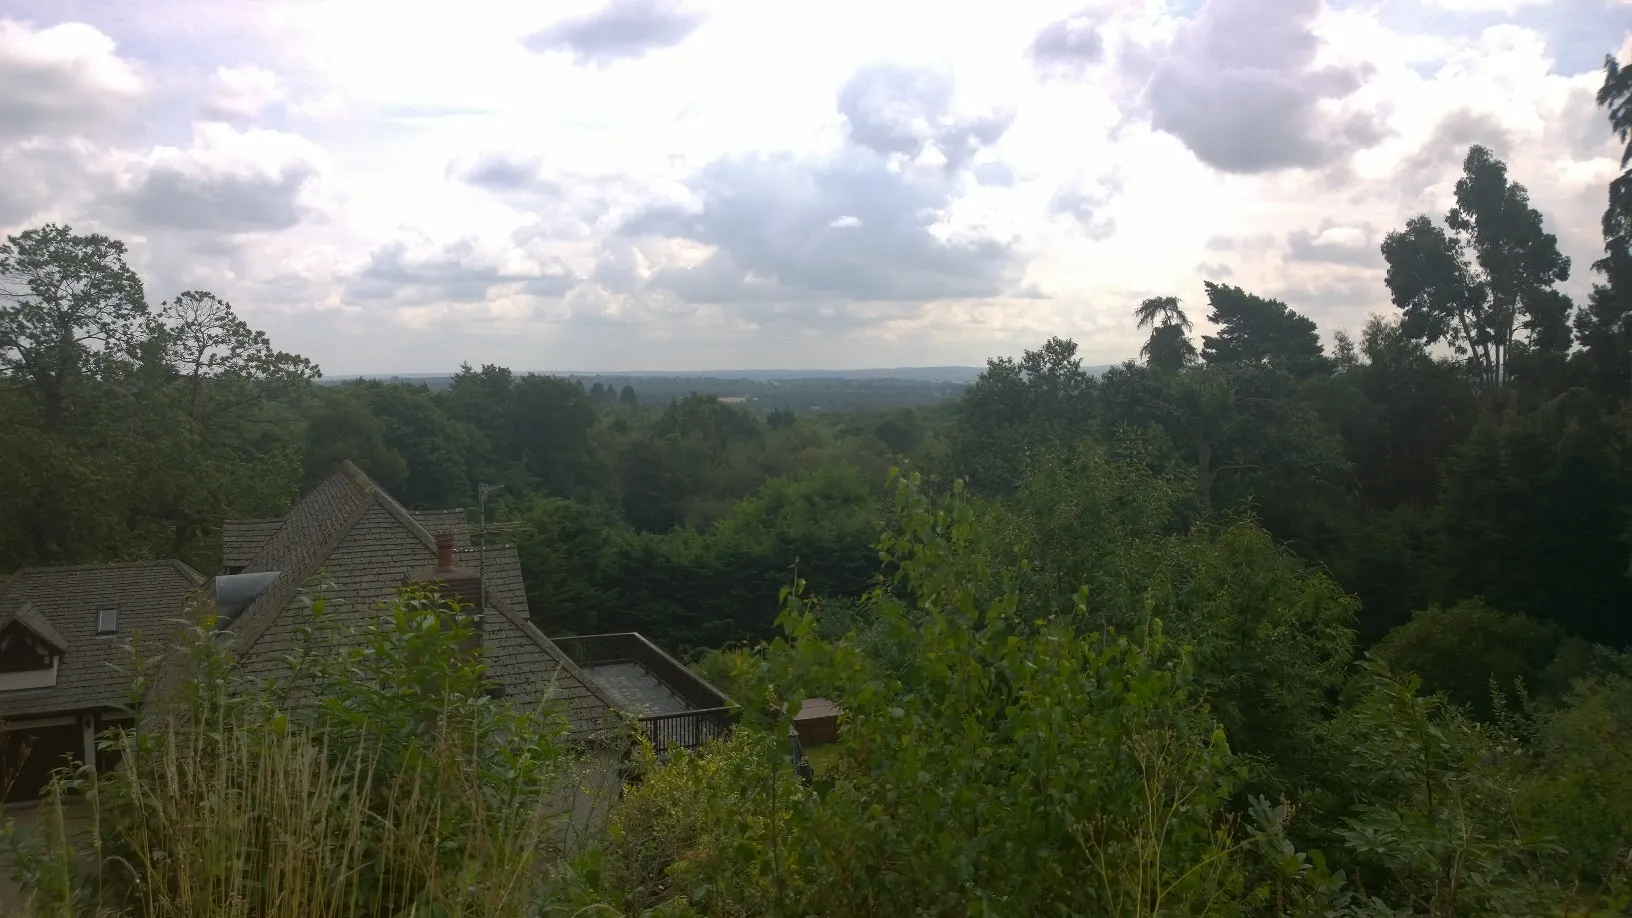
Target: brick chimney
[(455, 583)]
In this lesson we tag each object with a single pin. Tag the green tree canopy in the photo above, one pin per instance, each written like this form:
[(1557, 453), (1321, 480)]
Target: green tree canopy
[(69, 305), (1255, 330), (1485, 283)]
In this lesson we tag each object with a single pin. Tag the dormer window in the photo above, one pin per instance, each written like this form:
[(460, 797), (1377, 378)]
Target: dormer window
[(107, 620), (21, 651)]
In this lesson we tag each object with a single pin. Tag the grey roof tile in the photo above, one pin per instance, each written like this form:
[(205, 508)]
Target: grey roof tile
[(365, 544), (150, 597), (242, 539), (26, 616)]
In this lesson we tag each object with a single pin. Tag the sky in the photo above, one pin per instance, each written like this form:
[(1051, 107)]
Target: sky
[(621, 185)]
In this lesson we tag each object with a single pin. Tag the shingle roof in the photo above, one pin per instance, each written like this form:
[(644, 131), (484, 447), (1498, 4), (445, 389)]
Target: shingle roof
[(26, 616), (451, 521), (501, 573), (241, 539), (150, 597), (366, 543)]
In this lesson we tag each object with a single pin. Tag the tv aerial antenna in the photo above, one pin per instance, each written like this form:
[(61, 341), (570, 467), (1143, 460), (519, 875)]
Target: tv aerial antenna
[(496, 529)]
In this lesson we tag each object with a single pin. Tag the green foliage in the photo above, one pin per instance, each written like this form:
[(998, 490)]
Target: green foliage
[(1470, 650), (706, 829), (72, 308), (1016, 409), (1169, 347), (343, 428), (1433, 826), (572, 563), (1272, 636), (1534, 516), (1254, 330), (1011, 767), (1579, 785), (435, 450), (706, 588), (1486, 287), (130, 433)]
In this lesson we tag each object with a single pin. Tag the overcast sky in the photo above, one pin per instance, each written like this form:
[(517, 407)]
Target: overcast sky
[(646, 184)]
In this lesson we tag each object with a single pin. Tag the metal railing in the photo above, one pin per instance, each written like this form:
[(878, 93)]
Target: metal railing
[(711, 713), (688, 729)]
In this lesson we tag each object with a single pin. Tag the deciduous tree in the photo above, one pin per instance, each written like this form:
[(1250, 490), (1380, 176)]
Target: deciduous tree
[(68, 305), (1484, 283)]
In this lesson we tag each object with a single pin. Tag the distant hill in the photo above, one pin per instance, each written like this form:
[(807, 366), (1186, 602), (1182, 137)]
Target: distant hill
[(919, 374), (916, 374), (763, 390)]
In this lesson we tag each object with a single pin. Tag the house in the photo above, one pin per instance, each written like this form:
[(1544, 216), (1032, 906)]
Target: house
[(66, 635), (355, 545)]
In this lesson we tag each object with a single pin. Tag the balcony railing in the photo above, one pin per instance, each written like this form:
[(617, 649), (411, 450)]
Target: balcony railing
[(709, 713), (688, 729)]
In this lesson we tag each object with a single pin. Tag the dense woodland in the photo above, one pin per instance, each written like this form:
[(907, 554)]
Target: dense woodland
[(813, 393), (1252, 625)]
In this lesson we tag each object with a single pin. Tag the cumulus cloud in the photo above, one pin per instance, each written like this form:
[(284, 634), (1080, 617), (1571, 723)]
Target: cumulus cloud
[(1482, 6), (1336, 244), (1086, 203), (1439, 156), (461, 271), (1240, 86), (45, 175), (586, 222), (620, 30), (1067, 47), (849, 228), (503, 172), (1337, 302), (894, 109), (227, 181), (242, 92), (66, 79)]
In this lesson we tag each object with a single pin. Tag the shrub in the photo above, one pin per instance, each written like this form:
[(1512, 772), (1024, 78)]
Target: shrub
[(1467, 650)]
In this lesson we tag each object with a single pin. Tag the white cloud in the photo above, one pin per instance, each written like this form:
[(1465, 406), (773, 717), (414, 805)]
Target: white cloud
[(67, 78), (652, 184), (1500, 6), (242, 92)]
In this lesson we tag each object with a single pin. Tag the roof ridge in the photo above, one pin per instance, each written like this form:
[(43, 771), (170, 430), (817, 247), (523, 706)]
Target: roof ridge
[(549, 647), (532, 631), (98, 566), (186, 570), (391, 504), (36, 622), (352, 473), (271, 604)]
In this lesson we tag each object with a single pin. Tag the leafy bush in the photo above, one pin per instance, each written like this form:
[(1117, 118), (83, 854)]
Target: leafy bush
[(1468, 650), (1002, 766), (705, 829), (1579, 788)]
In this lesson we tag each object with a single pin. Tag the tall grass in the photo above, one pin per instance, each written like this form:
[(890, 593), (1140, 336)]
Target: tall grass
[(399, 789)]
